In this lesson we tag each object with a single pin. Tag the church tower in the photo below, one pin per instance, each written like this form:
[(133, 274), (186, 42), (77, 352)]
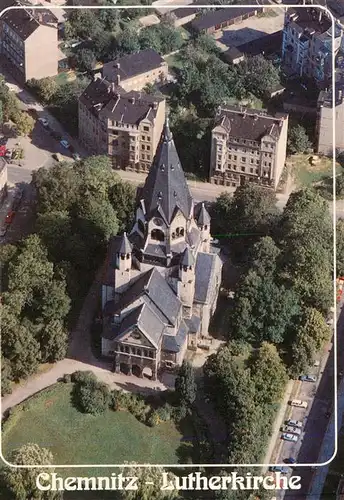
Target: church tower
[(123, 261), (203, 223), (186, 281)]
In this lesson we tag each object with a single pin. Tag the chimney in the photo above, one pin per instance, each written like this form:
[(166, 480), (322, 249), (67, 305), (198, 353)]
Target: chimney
[(118, 79), (155, 105), (132, 100), (320, 15), (113, 87), (118, 65)]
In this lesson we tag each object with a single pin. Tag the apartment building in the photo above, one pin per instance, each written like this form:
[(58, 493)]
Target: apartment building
[(29, 43), (248, 145), (135, 71), (324, 128), (125, 125), (307, 44)]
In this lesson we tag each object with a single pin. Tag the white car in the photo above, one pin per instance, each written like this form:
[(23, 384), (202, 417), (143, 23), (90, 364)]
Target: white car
[(298, 403), (44, 122), (289, 437), (295, 423), (65, 144), (291, 430), (3, 231)]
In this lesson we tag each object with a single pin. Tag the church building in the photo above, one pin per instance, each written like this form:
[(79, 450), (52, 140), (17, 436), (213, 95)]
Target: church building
[(161, 281)]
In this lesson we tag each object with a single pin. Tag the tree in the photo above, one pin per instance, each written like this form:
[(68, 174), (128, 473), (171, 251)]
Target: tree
[(128, 41), (263, 256), (149, 484), (20, 483), (340, 247), (185, 385), (46, 88), (92, 397), (6, 377), (259, 75), (82, 23), (122, 197), (221, 212), (54, 341), (24, 123), (85, 59), (96, 220), (310, 336), (298, 141), (54, 228)]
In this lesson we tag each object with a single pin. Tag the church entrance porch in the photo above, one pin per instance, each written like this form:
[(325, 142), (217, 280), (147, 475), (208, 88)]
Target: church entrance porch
[(138, 367)]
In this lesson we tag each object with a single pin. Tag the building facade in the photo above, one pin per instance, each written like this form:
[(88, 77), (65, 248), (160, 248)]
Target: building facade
[(3, 180), (307, 44), (124, 125), (324, 127), (161, 282), (214, 21), (135, 71), (29, 43), (248, 145)]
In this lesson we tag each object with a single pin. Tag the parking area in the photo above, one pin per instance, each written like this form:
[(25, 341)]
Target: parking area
[(250, 29)]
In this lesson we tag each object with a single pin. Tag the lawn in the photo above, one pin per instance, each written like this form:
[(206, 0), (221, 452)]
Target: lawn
[(174, 62), (306, 174), (50, 420)]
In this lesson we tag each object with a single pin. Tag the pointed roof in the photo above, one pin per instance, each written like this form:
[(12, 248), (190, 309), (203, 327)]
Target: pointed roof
[(165, 188), (187, 258), (203, 218), (125, 245)]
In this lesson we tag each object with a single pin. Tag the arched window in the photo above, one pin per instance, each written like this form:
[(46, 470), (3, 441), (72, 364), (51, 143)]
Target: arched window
[(141, 226), (205, 227), (173, 236), (128, 255), (157, 234), (180, 232), (122, 256)]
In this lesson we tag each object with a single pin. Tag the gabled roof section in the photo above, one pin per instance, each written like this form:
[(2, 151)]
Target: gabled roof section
[(187, 258), (146, 321), (204, 276), (131, 65), (125, 245), (166, 185), (202, 215)]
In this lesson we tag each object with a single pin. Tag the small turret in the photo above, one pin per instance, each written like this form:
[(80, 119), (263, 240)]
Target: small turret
[(186, 283), (123, 261), (203, 222)]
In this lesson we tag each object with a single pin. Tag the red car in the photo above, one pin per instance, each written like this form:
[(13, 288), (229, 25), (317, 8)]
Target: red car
[(3, 150), (9, 217)]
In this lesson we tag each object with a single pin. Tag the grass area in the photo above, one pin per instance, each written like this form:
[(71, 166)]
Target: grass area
[(336, 471), (50, 420), (306, 174), (64, 77), (174, 62)]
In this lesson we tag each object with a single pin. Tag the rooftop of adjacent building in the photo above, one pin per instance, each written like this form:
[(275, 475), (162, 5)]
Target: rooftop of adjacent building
[(25, 21), (132, 65), (214, 18), (250, 124), (106, 99), (311, 20)]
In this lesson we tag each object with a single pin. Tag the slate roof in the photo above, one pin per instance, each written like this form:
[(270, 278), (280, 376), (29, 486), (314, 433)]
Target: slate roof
[(173, 343), (202, 215), (193, 323), (25, 21), (104, 99), (182, 13), (268, 44), (144, 318), (132, 65), (152, 285), (249, 124), (125, 245), (220, 16), (308, 20), (187, 258), (165, 188), (203, 282)]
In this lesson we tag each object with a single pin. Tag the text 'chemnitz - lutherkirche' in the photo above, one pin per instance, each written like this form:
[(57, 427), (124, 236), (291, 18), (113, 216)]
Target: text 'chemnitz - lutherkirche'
[(161, 282)]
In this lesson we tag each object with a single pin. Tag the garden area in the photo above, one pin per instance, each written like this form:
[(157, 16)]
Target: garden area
[(52, 420), (307, 173)]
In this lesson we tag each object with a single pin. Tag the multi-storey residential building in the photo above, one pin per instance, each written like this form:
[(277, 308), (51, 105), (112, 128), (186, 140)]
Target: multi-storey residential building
[(125, 125), (248, 145), (29, 43), (307, 44), (135, 71), (324, 129), (160, 284)]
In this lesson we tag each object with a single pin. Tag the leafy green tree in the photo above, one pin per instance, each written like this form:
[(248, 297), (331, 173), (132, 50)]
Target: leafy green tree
[(82, 23), (54, 341), (20, 483), (149, 484), (263, 310), (96, 220), (310, 336), (45, 88), (6, 377), (221, 212), (122, 197), (340, 247), (24, 123), (185, 385), (54, 228), (259, 75), (92, 397), (128, 41), (298, 140), (264, 256), (85, 59)]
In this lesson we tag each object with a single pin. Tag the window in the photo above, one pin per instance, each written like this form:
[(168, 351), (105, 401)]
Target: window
[(143, 137), (145, 353), (148, 138), (145, 128), (235, 167), (148, 148), (143, 146), (230, 157), (252, 160), (251, 170), (257, 162), (243, 169), (235, 157), (243, 159), (157, 235)]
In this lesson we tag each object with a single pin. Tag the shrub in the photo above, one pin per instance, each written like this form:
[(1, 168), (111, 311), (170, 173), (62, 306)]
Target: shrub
[(153, 419), (179, 413), (80, 377), (165, 412), (67, 378), (92, 397)]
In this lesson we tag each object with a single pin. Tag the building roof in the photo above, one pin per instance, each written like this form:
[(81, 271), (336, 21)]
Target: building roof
[(181, 13), (193, 323), (267, 44), (216, 17), (202, 215), (311, 20), (249, 124), (203, 283), (105, 99), (174, 343), (26, 21), (144, 318), (125, 245), (232, 54), (165, 188), (132, 64), (187, 258)]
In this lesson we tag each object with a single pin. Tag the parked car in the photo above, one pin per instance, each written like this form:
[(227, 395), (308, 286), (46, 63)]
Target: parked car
[(298, 403), (291, 430), (9, 217), (65, 144), (295, 423), (3, 231), (278, 468), (308, 378), (44, 122), (290, 460), (76, 157), (58, 157), (289, 437), (3, 150)]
